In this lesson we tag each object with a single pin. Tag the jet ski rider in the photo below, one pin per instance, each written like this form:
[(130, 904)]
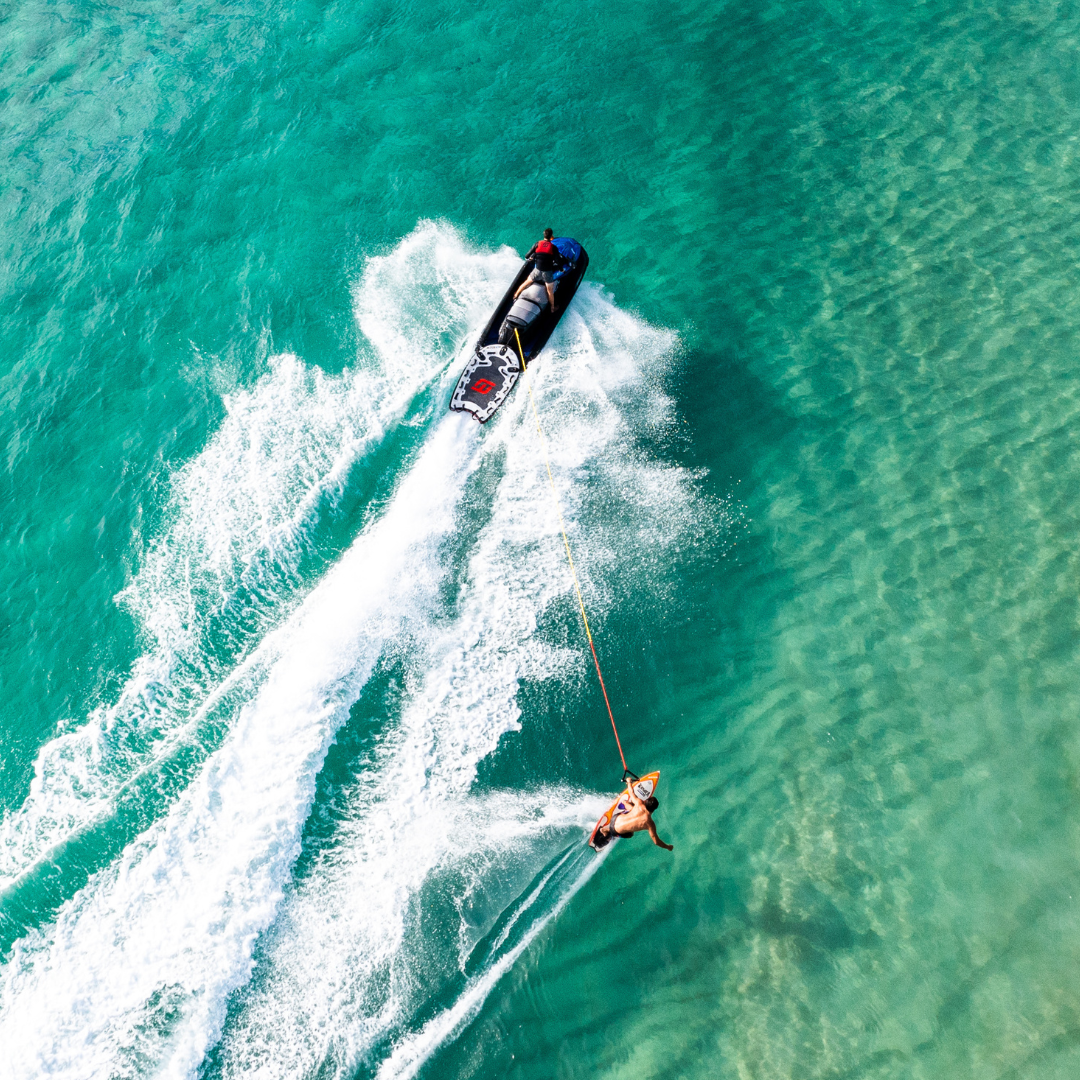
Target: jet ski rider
[(546, 263)]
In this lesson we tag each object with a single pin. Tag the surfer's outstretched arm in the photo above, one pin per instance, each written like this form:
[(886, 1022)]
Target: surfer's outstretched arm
[(656, 839)]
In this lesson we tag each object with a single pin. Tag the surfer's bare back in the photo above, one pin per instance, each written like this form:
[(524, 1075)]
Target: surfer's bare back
[(629, 819)]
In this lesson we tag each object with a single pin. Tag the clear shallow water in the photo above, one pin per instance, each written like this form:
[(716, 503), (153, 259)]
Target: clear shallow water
[(812, 425)]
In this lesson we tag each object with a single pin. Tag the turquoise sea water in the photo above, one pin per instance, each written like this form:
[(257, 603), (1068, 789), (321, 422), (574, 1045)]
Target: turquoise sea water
[(300, 736)]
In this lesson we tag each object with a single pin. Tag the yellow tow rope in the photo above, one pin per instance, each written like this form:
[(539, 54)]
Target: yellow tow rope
[(566, 543)]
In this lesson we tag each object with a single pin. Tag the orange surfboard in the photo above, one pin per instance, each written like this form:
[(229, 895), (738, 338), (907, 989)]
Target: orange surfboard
[(643, 787)]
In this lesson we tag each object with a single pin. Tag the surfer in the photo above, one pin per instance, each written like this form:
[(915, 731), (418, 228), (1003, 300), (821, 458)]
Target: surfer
[(629, 819), (546, 262)]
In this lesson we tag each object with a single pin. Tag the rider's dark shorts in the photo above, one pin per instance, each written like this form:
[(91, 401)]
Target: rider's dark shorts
[(546, 276)]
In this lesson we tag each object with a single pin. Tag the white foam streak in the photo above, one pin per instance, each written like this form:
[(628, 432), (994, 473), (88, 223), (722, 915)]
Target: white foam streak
[(412, 811), (239, 515), (175, 919), (412, 1052)]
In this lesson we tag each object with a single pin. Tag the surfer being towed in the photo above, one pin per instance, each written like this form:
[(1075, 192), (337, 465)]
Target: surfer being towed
[(546, 263), (630, 815)]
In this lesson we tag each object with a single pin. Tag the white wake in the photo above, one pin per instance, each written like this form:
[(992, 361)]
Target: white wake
[(136, 974)]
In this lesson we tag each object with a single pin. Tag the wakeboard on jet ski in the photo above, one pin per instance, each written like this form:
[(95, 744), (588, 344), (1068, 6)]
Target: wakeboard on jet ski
[(495, 366)]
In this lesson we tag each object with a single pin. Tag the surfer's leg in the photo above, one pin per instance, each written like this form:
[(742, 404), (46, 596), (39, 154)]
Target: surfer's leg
[(551, 294)]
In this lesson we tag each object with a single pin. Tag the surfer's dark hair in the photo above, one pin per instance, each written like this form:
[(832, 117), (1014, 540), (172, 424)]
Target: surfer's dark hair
[(651, 803), (548, 234)]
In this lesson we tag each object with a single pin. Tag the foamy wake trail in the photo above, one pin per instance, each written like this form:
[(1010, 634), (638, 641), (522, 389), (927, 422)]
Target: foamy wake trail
[(133, 976), (357, 975), (355, 965), (238, 521), (357, 953)]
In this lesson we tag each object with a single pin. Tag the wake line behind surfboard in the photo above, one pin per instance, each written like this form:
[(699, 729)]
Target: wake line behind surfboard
[(495, 365)]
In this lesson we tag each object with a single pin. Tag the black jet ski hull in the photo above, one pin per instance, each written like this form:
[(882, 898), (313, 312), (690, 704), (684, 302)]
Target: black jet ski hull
[(494, 367)]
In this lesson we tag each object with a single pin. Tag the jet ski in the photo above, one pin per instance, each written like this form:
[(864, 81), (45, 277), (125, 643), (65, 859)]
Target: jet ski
[(495, 366)]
